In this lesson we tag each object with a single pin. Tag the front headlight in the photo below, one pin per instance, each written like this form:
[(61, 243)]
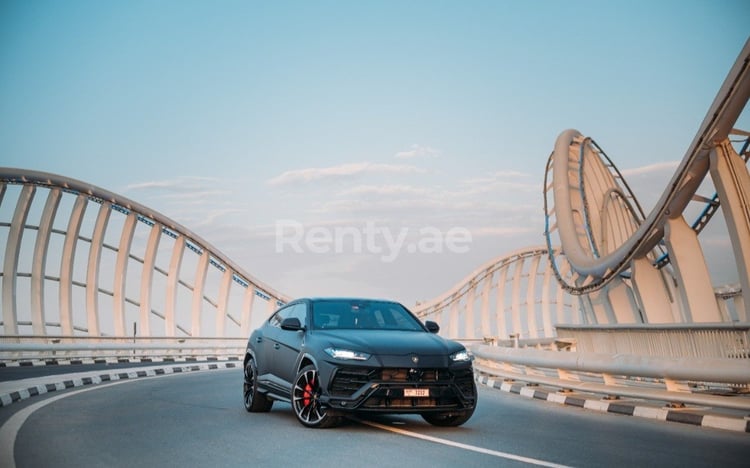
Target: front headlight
[(461, 356), (347, 354)]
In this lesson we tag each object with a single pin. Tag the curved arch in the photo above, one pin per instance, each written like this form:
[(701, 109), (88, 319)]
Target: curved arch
[(617, 255), (135, 278), (512, 294), (595, 271)]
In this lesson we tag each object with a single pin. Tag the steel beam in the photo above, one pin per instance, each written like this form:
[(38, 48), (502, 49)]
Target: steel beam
[(730, 176), (10, 261), (531, 295), (147, 278), (651, 293), (39, 263), (485, 305), (92, 271), (121, 273), (502, 326), (469, 331), (173, 281), (691, 271), (67, 264), (223, 303), (196, 310), (247, 311)]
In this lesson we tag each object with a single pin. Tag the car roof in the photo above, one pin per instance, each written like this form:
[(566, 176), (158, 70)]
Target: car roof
[(343, 299)]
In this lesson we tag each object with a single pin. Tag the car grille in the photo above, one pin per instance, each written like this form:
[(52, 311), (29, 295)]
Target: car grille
[(464, 379), (348, 381)]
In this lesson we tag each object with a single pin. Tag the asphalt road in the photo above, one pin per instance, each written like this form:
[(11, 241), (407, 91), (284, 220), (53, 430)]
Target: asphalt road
[(197, 419)]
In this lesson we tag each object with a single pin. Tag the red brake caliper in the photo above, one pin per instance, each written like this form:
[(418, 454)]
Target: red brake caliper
[(308, 393)]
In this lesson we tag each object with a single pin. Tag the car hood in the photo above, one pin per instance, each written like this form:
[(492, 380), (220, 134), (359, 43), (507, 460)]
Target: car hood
[(389, 342)]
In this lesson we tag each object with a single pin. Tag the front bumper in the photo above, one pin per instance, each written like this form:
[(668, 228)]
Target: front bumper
[(386, 390)]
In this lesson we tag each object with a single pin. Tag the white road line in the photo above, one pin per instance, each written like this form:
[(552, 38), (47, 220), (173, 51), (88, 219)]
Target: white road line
[(9, 430), (473, 448)]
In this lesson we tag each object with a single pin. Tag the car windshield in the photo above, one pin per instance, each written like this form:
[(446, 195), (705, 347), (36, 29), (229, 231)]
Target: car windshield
[(358, 314)]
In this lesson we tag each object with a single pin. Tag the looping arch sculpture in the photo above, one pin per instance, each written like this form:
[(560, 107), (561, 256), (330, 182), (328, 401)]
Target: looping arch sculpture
[(625, 260), (619, 264)]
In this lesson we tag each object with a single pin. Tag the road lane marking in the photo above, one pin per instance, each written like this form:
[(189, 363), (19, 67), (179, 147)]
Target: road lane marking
[(473, 448), (9, 430)]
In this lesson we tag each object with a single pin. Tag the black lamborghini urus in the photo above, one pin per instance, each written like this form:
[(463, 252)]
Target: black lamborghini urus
[(330, 357)]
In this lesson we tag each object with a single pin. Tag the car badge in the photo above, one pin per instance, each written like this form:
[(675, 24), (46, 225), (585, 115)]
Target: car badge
[(415, 359)]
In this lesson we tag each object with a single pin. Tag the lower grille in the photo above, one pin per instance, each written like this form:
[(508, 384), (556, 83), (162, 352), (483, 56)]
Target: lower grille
[(347, 381), (414, 375), (415, 403), (464, 380)]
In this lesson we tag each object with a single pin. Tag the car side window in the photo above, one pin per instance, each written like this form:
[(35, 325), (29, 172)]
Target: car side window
[(299, 311), (296, 310), (279, 316)]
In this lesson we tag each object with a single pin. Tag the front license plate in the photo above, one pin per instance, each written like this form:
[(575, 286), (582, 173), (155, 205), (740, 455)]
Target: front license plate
[(416, 392)]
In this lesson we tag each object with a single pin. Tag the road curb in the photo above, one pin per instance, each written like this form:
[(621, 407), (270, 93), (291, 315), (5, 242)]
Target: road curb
[(66, 381), (69, 361), (737, 424)]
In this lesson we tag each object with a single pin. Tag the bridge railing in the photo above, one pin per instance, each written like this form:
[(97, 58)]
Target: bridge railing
[(685, 340), (679, 364), (25, 350)]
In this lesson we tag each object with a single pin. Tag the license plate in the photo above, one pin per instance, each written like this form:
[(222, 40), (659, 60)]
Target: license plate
[(416, 392)]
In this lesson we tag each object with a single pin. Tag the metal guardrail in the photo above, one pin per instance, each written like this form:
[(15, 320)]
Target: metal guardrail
[(689, 340), (63, 348), (677, 380), (512, 342)]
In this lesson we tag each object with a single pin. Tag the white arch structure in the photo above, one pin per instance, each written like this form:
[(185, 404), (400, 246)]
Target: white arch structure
[(82, 261), (616, 264), (651, 269), (514, 295)]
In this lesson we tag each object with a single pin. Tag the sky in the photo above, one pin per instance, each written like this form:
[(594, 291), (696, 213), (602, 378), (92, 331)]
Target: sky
[(304, 139)]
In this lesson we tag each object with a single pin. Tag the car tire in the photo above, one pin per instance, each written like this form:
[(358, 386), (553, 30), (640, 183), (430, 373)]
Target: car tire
[(448, 419), (255, 401), (306, 400)]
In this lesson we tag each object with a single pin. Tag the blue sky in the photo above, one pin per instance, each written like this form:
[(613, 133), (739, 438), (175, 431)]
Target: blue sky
[(230, 116)]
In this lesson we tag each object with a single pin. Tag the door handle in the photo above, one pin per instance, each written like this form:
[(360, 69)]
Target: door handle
[(258, 340), (276, 346)]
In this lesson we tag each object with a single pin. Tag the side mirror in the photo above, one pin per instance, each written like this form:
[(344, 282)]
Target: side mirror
[(432, 327), (291, 324)]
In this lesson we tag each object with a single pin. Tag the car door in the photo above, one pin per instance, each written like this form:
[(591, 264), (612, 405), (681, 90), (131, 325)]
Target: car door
[(283, 345), (289, 344), (265, 344)]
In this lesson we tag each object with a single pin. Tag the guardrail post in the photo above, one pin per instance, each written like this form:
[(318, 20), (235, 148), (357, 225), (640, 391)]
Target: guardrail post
[(514, 337), (562, 374), (676, 386), (609, 379)]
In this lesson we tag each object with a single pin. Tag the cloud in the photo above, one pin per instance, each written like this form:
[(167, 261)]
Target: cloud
[(180, 184), (341, 171), (651, 168), (509, 183), (495, 178), (390, 208), (504, 231), (197, 202), (387, 191), (418, 151)]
